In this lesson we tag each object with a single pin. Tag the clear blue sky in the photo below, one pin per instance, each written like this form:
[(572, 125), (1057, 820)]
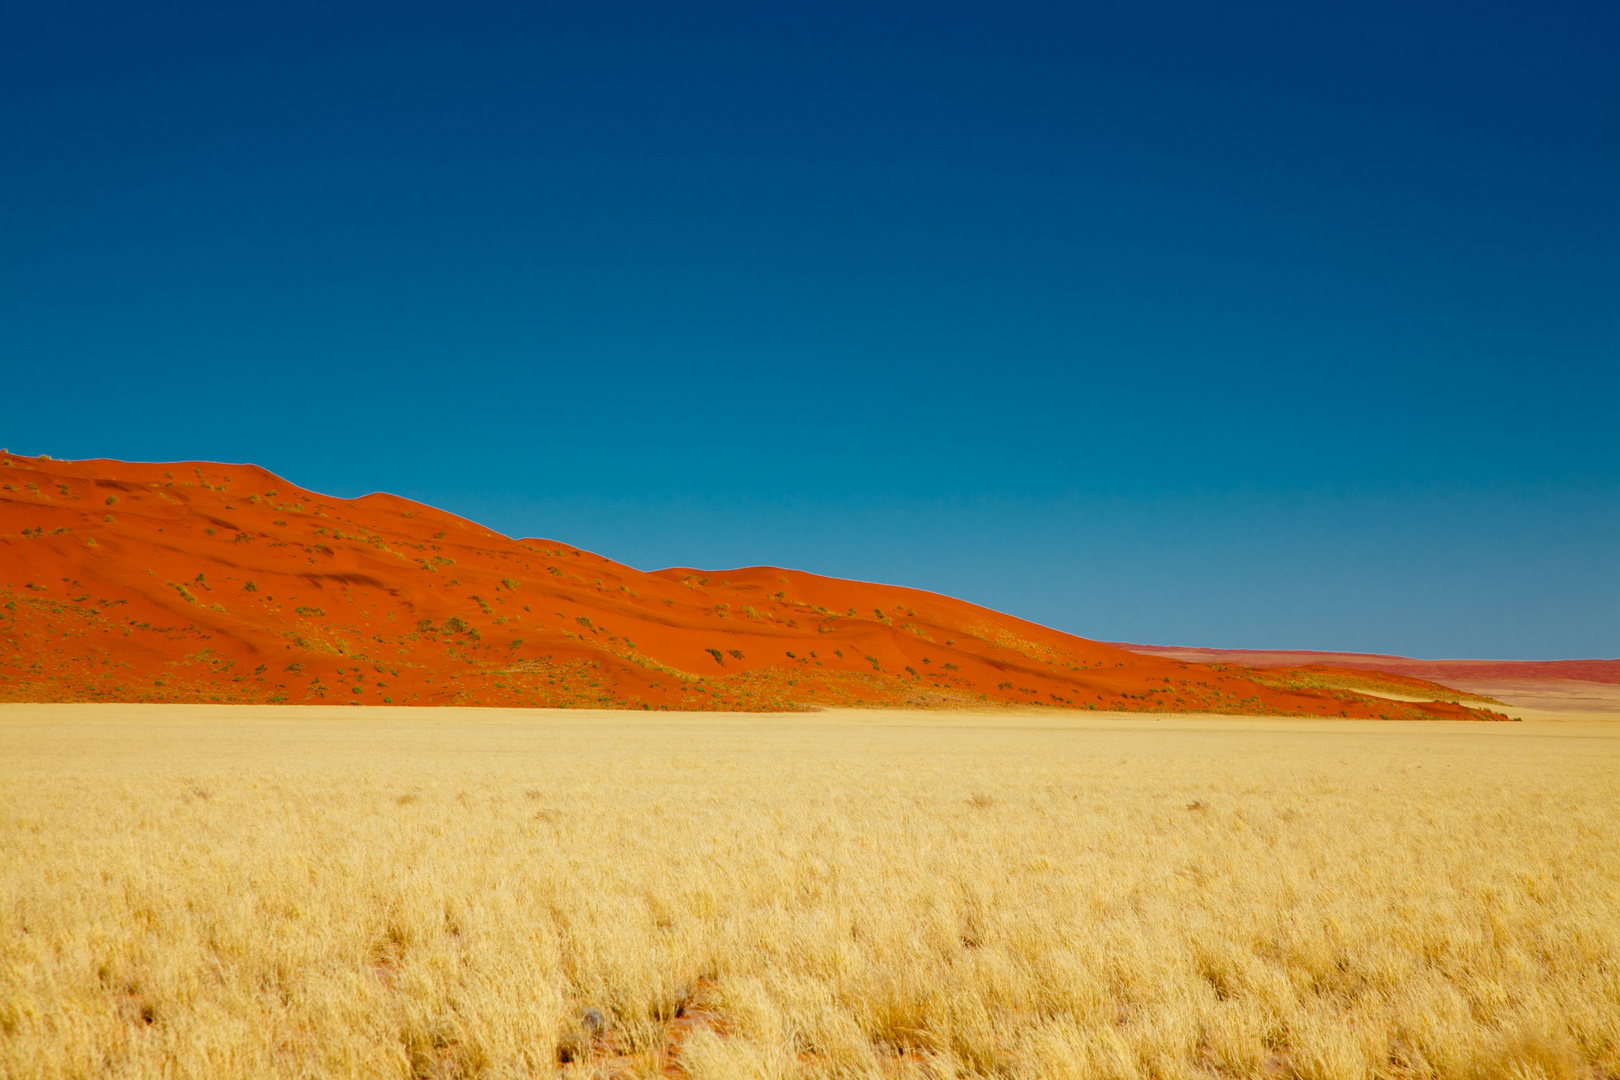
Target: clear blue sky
[(1250, 324)]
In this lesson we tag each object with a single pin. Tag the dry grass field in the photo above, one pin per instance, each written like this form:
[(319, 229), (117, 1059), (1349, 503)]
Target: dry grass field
[(188, 891)]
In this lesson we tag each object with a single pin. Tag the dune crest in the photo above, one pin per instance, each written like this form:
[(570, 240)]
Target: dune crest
[(197, 582)]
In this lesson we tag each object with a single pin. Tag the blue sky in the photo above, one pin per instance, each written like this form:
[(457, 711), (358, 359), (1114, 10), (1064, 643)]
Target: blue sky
[(1244, 325)]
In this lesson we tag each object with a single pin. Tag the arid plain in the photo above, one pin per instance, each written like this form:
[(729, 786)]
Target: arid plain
[(210, 891)]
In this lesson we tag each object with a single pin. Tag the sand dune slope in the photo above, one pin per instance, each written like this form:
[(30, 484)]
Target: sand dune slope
[(201, 582)]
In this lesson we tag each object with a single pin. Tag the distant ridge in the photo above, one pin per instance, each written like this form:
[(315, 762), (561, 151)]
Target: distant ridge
[(199, 582), (1455, 672)]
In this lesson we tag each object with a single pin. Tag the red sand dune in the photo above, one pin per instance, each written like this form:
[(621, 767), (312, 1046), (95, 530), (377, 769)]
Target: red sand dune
[(198, 582), (1461, 673)]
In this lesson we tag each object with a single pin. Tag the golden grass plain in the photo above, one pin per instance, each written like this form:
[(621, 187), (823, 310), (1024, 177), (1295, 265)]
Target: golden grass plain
[(191, 891)]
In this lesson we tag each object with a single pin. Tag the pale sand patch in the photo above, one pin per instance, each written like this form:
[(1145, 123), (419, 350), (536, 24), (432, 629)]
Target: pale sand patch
[(1560, 700), (1391, 696)]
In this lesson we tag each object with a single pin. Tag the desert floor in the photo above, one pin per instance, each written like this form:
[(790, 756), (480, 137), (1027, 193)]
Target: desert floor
[(198, 891)]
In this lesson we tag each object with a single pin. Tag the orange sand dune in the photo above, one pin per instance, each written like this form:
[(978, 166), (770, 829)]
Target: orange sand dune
[(200, 582)]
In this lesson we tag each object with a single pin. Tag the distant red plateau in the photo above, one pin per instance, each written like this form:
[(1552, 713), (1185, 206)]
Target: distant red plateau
[(1461, 673), (198, 582)]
